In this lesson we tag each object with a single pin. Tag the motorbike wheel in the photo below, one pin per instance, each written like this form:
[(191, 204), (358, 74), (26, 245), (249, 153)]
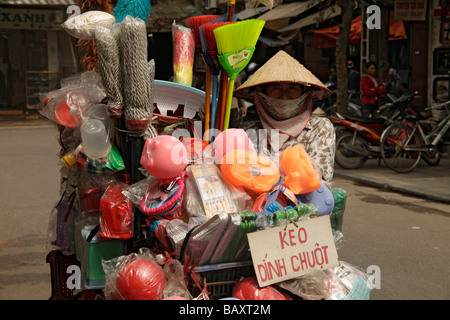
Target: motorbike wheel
[(393, 154), (346, 158)]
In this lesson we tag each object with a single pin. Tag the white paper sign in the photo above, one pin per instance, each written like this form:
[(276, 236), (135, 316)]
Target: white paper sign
[(289, 251)]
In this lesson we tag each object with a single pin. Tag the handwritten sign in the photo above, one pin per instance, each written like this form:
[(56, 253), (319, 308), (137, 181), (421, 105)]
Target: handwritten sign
[(286, 252)]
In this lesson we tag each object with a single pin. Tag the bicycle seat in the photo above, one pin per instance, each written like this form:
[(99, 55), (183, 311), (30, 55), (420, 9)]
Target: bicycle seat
[(363, 120)]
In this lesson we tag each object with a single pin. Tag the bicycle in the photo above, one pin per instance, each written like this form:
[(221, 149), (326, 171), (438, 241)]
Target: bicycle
[(403, 144)]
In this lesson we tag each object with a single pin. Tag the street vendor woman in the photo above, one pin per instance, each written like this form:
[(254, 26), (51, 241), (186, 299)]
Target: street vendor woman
[(283, 91)]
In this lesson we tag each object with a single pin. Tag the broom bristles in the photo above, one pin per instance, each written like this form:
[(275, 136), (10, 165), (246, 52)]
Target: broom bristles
[(235, 37), (207, 37), (194, 24)]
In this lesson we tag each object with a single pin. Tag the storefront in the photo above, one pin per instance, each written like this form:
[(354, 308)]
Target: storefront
[(439, 65), (35, 53)]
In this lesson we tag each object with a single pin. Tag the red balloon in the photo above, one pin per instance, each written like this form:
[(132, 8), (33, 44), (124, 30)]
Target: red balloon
[(248, 289), (140, 279)]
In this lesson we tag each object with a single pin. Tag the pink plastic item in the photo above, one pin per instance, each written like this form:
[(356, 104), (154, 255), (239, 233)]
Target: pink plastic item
[(230, 140), (164, 157)]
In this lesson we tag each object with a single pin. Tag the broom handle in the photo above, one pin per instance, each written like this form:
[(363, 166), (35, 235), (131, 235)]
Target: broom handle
[(223, 101), (231, 4), (214, 106), (207, 99), (226, 121)]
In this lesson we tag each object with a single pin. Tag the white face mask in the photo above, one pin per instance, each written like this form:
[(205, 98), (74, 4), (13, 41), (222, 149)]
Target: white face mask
[(280, 109)]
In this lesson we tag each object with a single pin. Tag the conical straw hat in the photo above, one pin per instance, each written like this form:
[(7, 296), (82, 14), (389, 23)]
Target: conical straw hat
[(282, 68)]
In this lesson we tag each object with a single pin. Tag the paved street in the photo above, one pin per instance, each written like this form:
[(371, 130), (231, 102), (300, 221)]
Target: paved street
[(406, 235)]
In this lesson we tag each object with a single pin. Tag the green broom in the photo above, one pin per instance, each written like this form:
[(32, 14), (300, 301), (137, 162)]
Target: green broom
[(235, 46)]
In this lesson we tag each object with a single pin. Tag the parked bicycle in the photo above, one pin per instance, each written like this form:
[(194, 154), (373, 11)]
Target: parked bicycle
[(403, 144), (358, 139)]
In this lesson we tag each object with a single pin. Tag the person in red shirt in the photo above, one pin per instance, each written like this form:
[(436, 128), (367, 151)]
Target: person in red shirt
[(372, 89)]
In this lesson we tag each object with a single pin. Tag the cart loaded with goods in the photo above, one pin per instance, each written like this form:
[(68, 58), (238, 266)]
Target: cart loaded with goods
[(157, 204)]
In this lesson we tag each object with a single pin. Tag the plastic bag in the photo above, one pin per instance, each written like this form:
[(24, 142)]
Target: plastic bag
[(248, 289), (82, 26), (116, 220), (157, 199), (203, 240), (208, 193), (69, 105), (311, 286), (136, 276), (183, 54), (175, 280), (176, 231), (348, 282)]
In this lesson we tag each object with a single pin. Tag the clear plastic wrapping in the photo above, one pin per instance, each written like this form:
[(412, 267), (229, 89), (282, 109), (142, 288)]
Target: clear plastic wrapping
[(69, 106), (175, 280), (116, 220), (136, 276), (208, 193), (204, 239), (82, 26), (157, 199), (183, 54), (248, 289), (348, 282), (311, 286)]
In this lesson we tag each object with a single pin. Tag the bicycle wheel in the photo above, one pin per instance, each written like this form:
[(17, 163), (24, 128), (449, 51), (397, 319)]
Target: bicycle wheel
[(432, 158), (350, 151), (392, 144)]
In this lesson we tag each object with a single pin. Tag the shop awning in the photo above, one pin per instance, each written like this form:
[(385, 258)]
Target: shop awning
[(289, 10), (39, 2), (317, 17), (272, 42), (250, 13), (327, 37)]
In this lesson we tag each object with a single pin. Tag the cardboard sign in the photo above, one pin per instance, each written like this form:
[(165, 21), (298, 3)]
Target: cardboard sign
[(289, 251)]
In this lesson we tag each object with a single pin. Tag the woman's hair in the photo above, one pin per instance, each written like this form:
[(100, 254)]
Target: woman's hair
[(370, 63)]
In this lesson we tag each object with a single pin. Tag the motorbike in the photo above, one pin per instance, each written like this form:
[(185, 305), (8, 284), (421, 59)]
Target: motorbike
[(329, 105), (358, 139)]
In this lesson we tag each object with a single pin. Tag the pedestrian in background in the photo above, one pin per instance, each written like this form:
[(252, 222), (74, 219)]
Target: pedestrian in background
[(354, 78), (373, 89)]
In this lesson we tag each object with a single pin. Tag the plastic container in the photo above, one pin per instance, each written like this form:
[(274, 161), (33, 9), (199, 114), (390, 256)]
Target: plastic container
[(96, 250), (95, 139)]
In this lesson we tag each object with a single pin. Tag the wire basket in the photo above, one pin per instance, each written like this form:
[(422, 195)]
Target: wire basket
[(220, 278)]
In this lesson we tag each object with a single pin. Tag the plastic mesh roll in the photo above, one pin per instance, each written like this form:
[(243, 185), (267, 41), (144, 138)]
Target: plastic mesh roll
[(108, 54), (136, 74)]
